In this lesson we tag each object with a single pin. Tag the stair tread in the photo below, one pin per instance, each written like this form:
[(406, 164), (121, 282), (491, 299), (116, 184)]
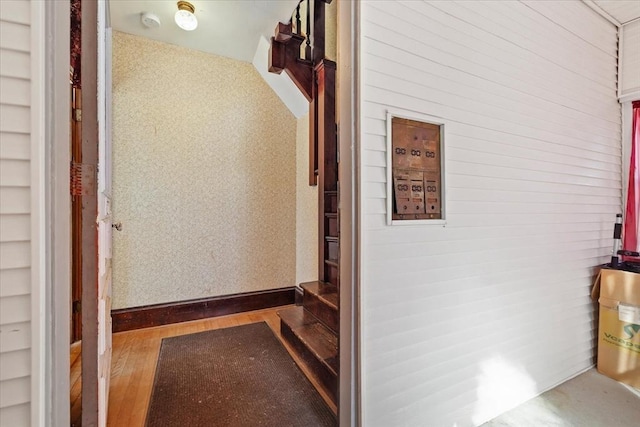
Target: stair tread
[(320, 341), (327, 292), (332, 299), (296, 317)]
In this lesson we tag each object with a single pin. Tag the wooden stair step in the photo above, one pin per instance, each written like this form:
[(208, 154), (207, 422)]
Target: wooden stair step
[(327, 292), (319, 339), (316, 344), (321, 299)]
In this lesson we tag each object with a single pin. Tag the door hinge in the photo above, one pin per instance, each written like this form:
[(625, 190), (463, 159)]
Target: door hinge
[(83, 179), (76, 307), (77, 114)]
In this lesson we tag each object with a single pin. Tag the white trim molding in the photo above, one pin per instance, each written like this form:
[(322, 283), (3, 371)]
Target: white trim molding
[(600, 11), (38, 215), (630, 97), (55, 284), (348, 120)]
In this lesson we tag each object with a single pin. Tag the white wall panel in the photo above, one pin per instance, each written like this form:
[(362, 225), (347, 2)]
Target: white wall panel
[(15, 36), (15, 200), (463, 322), (15, 364), (16, 416), (14, 392), (15, 212), (15, 281), (18, 11), (14, 63), (630, 59), (14, 118), (15, 146), (15, 309), (15, 336), (15, 228)]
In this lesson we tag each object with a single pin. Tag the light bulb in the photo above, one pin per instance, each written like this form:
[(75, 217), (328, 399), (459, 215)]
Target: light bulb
[(185, 18)]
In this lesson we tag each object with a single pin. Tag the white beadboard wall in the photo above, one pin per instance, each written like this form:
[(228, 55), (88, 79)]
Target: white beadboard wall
[(630, 60), (463, 322), (15, 218)]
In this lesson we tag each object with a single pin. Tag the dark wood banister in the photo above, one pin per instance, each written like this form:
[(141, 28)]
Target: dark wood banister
[(315, 76), (285, 56)]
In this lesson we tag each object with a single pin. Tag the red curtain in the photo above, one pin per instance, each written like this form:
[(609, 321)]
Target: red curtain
[(630, 236)]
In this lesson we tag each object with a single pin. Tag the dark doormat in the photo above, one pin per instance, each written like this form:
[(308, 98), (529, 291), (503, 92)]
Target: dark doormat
[(240, 376)]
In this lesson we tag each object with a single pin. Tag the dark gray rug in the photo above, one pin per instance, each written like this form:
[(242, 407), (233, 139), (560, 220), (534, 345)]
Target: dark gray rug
[(240, 376)]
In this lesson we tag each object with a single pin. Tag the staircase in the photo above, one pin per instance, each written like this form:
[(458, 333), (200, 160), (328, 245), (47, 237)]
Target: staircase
[(312, 329)]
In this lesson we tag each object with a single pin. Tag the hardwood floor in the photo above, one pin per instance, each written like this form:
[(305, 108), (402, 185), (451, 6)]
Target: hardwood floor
[(134, 361)]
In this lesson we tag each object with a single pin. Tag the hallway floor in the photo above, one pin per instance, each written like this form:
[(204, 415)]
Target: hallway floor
[(135, 354), (588, 400)]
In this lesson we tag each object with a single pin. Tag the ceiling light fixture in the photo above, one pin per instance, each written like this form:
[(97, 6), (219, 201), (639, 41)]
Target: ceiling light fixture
[(185, 17)]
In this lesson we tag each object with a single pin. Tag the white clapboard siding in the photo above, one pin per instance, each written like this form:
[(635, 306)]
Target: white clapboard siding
[(462, 322), (15, 213), (630, 61)]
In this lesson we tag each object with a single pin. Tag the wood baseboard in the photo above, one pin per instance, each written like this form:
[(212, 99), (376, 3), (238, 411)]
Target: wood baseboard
[(147, 316)]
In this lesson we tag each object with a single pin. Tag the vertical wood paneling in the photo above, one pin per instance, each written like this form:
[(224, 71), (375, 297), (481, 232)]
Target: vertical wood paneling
[(463, 322), (15, 210)]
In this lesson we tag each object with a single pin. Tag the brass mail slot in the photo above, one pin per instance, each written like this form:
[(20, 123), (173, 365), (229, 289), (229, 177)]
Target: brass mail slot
[(416, 169)]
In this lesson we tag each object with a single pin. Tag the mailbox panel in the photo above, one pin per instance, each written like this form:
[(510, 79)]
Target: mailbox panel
[(416, 163)]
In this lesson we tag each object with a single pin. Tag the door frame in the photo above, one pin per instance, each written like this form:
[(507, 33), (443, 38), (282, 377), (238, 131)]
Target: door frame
[(56, 284), (90, 137), (53, 311), (349, 381)]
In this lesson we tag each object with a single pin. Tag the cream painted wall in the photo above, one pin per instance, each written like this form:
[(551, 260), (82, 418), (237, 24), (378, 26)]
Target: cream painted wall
[(204, 176), (331, 27), (306, 210)]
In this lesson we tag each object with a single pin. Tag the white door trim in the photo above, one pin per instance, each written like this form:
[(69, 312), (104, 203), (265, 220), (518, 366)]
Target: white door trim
[(348, 131), (38, 214), (52, 284)]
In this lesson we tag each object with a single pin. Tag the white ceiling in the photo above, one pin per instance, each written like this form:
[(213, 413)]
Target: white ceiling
[(230, 28), (622, 11), (238, 29)]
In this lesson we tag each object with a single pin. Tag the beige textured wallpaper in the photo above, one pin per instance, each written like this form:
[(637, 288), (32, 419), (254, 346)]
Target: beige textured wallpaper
[(204, 177), (331, 28), (306, 210)]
